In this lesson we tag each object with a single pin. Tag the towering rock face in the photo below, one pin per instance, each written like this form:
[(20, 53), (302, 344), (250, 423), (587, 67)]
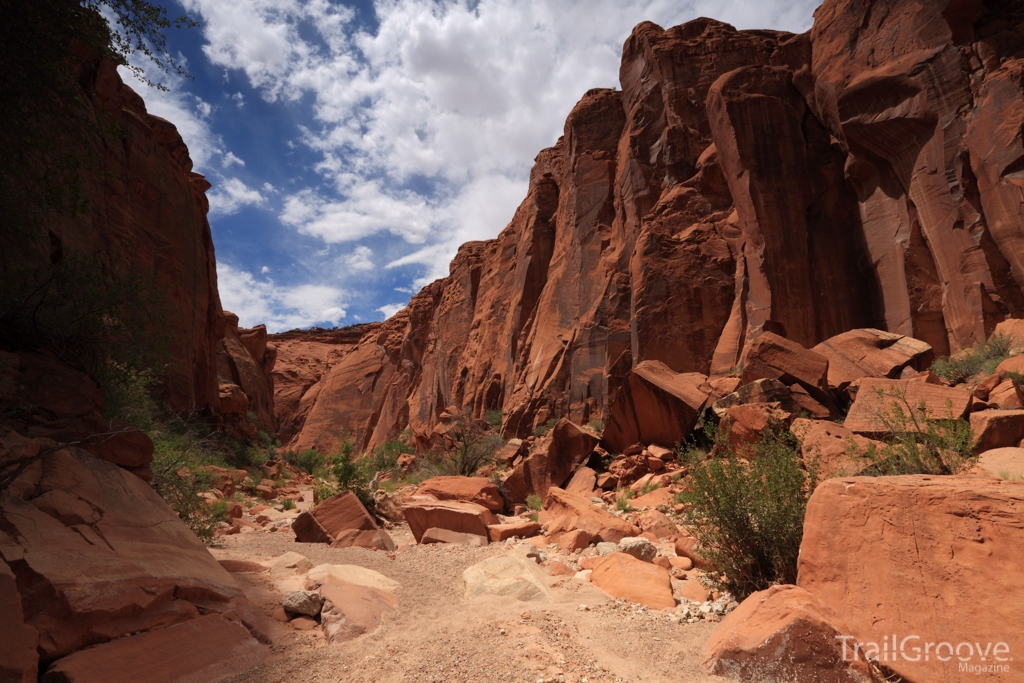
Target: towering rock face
[(862, 175)]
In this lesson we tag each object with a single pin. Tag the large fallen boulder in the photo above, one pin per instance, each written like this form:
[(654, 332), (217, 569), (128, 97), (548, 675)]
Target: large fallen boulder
[(1005, 463), (879, 403), (871, 353), (338, 521), (351, 610), (479, 490), (997, 428), (514, 575), (352, 573), (781, 635), (550, 462), (939, 578), (580, 513), (624, 576), (655, 405), (467, 518), (97, 555), (775, 357), (831, 449), (203, 649)]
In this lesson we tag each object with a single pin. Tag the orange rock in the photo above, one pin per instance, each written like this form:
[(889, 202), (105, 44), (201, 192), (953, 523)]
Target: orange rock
[(267, 492), (576, 539), (939, 402), (997, 428), (18, 657), (871, 353), (694, 590), (551, 461), (686, 546), (479, 490), (746, 423), (656, 405), (1007, 396), (446, 536), (500, 532), (591, 562), (774, 357), (243, 566), (783, 634), (939, 545), (207, 648), (657, 523), (662, 562), (560, 569), (831, 448), (303, 623), (623, 576), (583, 515), (682, 563), (377, 539), (468, 518), (349, 610), (583, 482), (329, 520), (659, 496)]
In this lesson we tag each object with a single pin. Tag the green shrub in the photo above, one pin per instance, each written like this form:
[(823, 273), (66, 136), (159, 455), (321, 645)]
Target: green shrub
[(534, 502), (748, 509), (917, 442), (597, 426), (535, 517), (264, 438), (541, 430), (493, 418), (982, 357), (466, 449), (288, 504), (384, 458), (622, 503), (648, 487), (350, 472), (322, 490), (309, 460)]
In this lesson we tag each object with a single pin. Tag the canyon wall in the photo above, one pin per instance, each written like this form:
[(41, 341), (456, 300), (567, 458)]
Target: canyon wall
[(867, 173)]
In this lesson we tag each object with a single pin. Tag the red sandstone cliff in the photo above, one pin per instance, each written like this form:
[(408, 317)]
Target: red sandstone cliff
[(867, 173)]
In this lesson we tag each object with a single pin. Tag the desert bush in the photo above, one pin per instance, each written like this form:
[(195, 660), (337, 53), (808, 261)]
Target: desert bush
[(917, 442), (597, 426), (534, 502), (288, 504), (467, 448), (309, 460), (982, 357), (648, 487), (384, 458), (493, 418), (748, 508), (351, 472), (542, 429), (622, 503)]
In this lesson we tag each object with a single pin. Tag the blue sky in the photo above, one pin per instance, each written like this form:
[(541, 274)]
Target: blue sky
[(353, 146)]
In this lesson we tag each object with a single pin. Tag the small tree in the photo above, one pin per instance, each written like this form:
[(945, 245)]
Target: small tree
[(467, 448)]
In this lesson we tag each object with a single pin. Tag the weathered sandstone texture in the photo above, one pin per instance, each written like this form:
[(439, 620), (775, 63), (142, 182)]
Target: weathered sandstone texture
[(866, 174)]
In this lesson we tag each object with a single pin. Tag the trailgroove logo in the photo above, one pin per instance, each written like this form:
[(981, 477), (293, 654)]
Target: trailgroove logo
[(975, 658)]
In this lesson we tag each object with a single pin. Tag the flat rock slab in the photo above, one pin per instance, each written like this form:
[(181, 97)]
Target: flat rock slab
[(500, 532), (997, 428), (514, 576), (351, 610), (623, 576), (877, 398), (332, 518), (780, 635), (467, 518), (371, 540), (446, 536), (479, 490), (204, 649), (581, 514), (361, 576)]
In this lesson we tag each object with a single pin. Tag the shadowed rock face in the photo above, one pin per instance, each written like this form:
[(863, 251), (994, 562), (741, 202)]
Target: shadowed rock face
[(865, 174)]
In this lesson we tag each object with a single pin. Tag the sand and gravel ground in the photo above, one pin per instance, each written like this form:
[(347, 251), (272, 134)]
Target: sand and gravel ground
[(436, 635)]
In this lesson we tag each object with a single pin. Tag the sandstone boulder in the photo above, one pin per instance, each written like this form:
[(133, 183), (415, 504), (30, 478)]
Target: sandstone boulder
[(351, 610), (869, 352), (767, 391), (1005, 463), (997, 429), (655, 405), (639, 547), (583, 482), (939, 547), (514, 575), (775, 357), (203, 649), (581, 514), (446, 536), (657, 523), (479, 490), (19, 661), (500, 532), (331, 518), (467, 518), (781, 635), (117, 556), (290, 563), (877, 398), (371, 540), (303, 602), (351, 573), (623, 576), (551, 461), (832, 449)]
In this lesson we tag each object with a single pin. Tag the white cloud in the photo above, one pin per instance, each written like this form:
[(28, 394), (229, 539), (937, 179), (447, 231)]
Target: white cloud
[(265, 269), (359, 259), (230, 195), (390, 309), (229, 159), (278, 307)]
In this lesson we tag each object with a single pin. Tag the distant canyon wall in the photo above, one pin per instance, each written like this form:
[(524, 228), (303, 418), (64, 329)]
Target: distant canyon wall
[(868, 173)]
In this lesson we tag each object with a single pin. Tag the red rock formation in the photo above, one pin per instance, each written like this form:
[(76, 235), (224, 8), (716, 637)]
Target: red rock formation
[(862, 175)]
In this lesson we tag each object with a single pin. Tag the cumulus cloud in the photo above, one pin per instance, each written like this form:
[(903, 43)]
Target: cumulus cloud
[(278, 307), (390, 309), (229, 159), (359, 259), (230, 195), (425, 125)]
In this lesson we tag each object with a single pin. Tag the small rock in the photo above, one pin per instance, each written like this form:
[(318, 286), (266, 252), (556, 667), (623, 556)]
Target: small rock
[(639, 547), (605, 548), (303, 623), (303, 602)]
